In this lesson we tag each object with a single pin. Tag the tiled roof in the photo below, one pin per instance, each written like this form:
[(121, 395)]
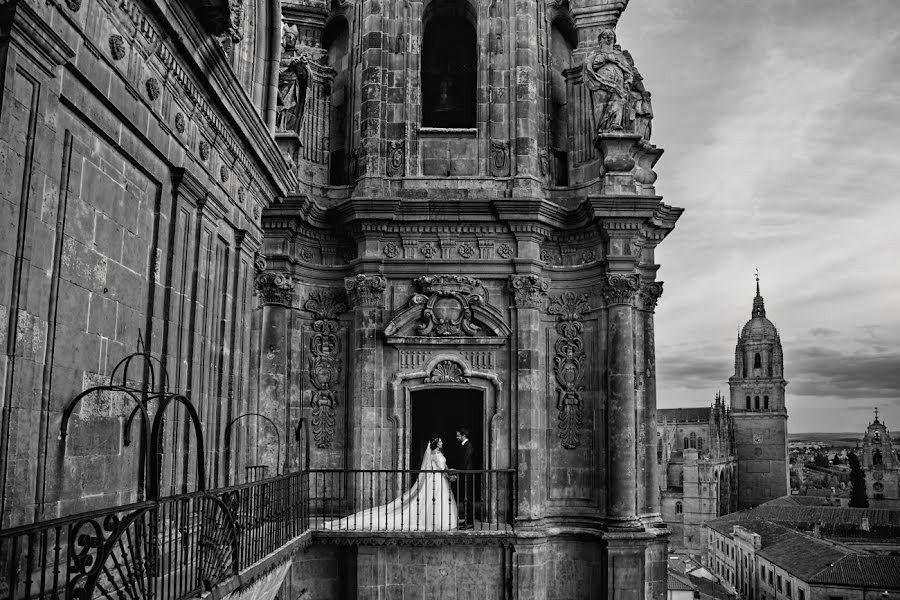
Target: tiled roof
[(833, 521), (683, 414), (801, 555), (678, 582), (862, 570), (769, 532)]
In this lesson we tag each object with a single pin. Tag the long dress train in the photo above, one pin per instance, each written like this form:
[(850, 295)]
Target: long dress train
[(429, 505)]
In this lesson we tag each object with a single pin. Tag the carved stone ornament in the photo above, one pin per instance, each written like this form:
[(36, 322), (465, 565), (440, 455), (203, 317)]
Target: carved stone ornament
[(153, 88), (365, 290), (180, 123), (447, 302), (447, 371), (547, 256), (223, 173), (274, 288), (466, 250), (74, 5), (544, 157), (240, 195), (504, 250), (116, 46), (256, 211), (305, 254), (428, 250), (589, 256), (499, 158), (391, 250), (529, 291), (259, 263), (619, 288), (203, 149), (609, 78), (324, 362), (569, 364), (649, 294), (395, 157)]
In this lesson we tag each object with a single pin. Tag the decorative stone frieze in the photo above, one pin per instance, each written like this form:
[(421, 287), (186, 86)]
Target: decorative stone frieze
[(649, 294), (180, 123), (305, 254), (447, 371), (569, 364), (589, 256), (428, 250), (365, 290), (153, 88), (223, 173), (447, 301), (547, 256), (395, 162), (620, 288), (499, 158), (116, 46), (466, 250), (391, 250), (504, 250), (528, 291), (324, 362), (203, 149), (274, 288)]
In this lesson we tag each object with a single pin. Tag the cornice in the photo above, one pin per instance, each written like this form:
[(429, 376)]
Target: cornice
[(24, 26)]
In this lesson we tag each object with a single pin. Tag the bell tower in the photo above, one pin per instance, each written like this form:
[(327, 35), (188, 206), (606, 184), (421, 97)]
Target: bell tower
[(758, 410)]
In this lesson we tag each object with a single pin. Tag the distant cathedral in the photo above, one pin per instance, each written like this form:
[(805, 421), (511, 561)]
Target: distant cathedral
[(879, 462), (713, 461)]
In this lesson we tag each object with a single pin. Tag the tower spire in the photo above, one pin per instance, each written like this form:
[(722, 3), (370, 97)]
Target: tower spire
[(759, 309)]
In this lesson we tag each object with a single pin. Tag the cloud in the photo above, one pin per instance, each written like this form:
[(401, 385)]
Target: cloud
[(821, 371), (823, 332)]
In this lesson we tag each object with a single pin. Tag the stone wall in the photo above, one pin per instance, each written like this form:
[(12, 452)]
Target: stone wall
[(132, 217)]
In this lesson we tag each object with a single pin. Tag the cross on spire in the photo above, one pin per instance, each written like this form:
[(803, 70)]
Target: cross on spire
[(759, 309), (876, 414)]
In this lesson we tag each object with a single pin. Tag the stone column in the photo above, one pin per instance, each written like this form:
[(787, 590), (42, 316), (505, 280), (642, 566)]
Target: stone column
[(365, 294), (528, 103), (276, 295), (528, 295), (618, 292), (649, 293)]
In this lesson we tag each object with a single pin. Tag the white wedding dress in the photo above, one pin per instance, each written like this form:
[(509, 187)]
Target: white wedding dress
[(429, 505)]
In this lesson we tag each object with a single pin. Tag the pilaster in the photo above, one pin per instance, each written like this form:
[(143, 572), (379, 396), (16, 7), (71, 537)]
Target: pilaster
[(645, 365), (529, 294), (618, 294), (365, 294)]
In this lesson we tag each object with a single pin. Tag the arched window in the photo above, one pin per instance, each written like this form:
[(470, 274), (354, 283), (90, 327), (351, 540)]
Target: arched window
[(449, 64), (766, 402), (699, 443), (748, 403), (877, 458), (757, 361), (693, 438), (685, 443), (678, 508), (876, 437), (336, 41), (756, 402)]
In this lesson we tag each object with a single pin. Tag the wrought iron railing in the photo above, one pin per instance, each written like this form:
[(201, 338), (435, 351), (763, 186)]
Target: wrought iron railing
[(397, 500)]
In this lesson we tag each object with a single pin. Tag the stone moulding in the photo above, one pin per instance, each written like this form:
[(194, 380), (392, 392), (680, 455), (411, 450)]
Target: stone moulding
[(324, 362), (448, 310), (569, 364)]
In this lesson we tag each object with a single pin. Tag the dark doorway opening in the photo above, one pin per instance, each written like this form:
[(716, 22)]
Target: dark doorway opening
[(439, 412)]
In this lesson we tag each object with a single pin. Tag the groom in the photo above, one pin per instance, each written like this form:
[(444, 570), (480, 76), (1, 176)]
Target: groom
[(466, 484)]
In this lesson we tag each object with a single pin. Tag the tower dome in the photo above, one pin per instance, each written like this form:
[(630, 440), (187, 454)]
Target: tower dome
[(759, 328)]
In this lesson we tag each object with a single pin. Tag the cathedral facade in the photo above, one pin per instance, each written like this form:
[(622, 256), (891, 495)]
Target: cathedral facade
[(362, 225), (732, 455)]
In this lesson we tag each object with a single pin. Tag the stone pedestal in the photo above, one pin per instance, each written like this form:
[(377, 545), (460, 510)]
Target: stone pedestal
[(618, 152)]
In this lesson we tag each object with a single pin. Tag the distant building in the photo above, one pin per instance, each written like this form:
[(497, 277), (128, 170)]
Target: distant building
[(879, 461), (764, 560), (716, 460)]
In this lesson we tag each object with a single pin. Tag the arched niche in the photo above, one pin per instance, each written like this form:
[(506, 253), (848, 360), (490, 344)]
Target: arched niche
[(445, 371), (563, 40), (336, 42), (449, 64)]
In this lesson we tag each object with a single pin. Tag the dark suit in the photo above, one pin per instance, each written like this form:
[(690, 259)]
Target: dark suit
[(466, 484)]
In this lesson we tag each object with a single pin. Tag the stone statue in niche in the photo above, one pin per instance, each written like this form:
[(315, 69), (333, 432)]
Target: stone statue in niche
[(293, 82), (609, 77), (640, 111)]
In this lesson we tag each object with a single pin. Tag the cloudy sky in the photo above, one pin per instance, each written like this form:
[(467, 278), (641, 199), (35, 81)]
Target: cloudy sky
[(781, 125)]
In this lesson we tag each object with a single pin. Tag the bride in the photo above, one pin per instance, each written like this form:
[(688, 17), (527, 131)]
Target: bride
[(429, 505)]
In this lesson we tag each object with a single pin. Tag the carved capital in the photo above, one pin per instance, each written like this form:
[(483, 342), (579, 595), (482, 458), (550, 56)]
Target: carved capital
[(528, 291), (274, 288), (365, 290), (620, 288), (649, 294)]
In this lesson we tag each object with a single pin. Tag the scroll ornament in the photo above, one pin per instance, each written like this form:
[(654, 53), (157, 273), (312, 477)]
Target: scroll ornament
[(569, 365), (447, 305), (324, 363), (365, 290), (528, 290), (620, 288)]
